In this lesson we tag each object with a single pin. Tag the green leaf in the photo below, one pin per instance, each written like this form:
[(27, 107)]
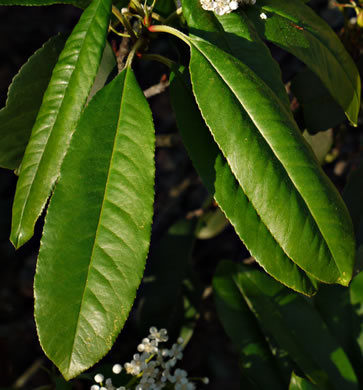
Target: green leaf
[(289, 193), (107, 65), (320, 111), (356, 299), (243, 329), (24, 99), (211, 223), (78, 3), (97, 229), (63, 101), (296, 28), (334, 306), (297, 327), (320, 143), (298, 383), (221, 183), (164, 7), (353, 197), (235, 34), (164, 278)]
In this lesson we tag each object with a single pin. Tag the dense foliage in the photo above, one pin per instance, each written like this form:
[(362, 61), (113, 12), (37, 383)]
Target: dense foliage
[(83, 148)]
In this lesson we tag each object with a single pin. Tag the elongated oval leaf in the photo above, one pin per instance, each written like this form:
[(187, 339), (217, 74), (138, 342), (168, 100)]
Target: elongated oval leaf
[(241, 326), (78, 3), (97, 229), (297, 327), (59, 114), (222, 184), (275, 168), (24, 99), (235, 34), (296, 28)]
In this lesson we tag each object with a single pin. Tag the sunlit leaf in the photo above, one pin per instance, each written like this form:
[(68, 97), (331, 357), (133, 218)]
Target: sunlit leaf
[(63, 101), (296, 28), (97, 230), (290, 195)]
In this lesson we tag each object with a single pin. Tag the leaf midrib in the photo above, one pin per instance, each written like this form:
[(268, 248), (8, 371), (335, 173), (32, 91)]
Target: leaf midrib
[(316, 37), (283, 166), (99, 220), (36, 172)]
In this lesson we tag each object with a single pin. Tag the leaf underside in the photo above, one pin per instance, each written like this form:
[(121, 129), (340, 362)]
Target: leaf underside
[(97, 229)]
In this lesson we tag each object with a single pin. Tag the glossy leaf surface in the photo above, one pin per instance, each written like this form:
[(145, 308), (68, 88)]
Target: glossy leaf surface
[(24, 99), (235, 34), (243, 329), (63, 101), (297, 327), (97, 229), (276, 170), (296, 28), (222, 184)]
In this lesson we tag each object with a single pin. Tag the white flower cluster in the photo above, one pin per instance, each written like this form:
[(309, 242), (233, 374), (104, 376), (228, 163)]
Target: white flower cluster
[(152, 368), (221, 7)]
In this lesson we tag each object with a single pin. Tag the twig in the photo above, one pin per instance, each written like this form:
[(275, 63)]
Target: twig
[(157, 88), (122, 54), (29, 372)]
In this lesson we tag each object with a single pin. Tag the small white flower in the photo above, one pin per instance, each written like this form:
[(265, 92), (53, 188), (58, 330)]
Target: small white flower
[(222, 7), (99, 378), (184, 384), (117, 368), (206, 380), (95, 387), (263, 16), (160, 336), (137, 364), (176, 351), (148, 346), (179, 375)]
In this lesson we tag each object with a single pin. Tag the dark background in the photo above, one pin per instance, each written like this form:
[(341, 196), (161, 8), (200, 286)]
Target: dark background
[(178, 192)]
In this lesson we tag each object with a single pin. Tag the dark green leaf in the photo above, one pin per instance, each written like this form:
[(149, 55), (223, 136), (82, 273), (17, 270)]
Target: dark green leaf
[(289, 193), (356, 299), (211, 223), (334, 305), (107, 65), (63, 101), (221, 183), (168, 263), (97, 229), (235, 34), (298, 383), (296, 28), (164, 7), (78, 3), (320, 111), (24, 99), (241, 326), (353, 196), (320, 143), (297, 327)]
